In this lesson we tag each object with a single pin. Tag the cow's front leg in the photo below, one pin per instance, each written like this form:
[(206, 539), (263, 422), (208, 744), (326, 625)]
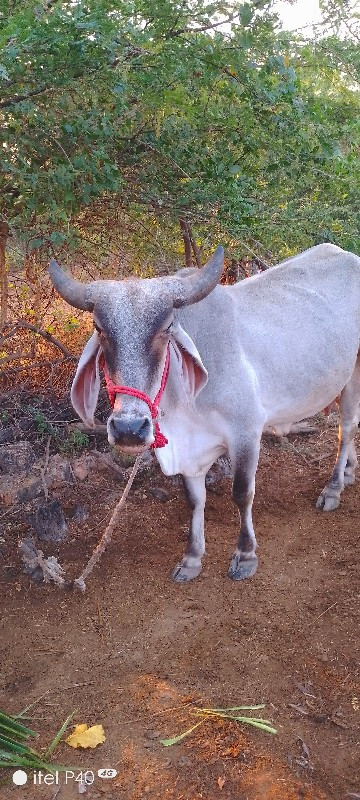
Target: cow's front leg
[(190, 565), (244, 561)]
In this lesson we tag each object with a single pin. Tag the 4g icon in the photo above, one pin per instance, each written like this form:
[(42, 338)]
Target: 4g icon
[(107, 772)]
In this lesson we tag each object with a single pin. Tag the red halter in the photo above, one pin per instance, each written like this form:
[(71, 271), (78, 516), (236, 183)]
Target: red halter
[(112, 390)]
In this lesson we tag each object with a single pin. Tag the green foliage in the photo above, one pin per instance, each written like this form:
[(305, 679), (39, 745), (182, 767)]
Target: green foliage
[(70, 443), (76, 441), (120, 117), (42, 423), (15, 751)]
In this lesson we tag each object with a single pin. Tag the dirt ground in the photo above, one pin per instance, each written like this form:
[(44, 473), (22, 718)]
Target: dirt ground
[(137, 652)]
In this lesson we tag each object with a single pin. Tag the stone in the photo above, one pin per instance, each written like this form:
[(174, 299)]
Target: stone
[(15, 489), (7, 434), (81, 468), (49, 522), (27, 550), (16, 458), (159, 494), (58, 472), (78, 513)]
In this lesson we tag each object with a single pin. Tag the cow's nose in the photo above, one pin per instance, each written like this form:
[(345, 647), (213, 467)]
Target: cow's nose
[(130, 431)]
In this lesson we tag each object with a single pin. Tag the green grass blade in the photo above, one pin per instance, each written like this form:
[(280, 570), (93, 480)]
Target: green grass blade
[(22, 761), (9, 721), (13, 746), (262, 724), (176, 739), (58, 736), (256, 722), (11, 734)]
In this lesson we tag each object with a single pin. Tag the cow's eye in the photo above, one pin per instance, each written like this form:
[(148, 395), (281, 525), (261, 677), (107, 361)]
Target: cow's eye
[(168, 329)]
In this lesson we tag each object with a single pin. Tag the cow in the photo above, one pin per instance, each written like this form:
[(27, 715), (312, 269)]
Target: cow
[(240, 359)]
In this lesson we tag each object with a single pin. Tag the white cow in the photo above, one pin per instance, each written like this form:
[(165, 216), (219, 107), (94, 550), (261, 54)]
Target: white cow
[(261, 354)]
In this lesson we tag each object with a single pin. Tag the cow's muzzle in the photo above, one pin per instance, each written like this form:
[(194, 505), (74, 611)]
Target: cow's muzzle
[(134, 432)]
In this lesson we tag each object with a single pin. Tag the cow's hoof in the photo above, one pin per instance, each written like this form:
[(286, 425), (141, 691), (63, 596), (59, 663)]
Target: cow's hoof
[(349, 480), (183, 573), (327, 502), (239, 569)]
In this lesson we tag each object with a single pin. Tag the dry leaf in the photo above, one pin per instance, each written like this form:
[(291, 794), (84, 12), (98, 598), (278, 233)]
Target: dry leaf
[(82, 736), (221, 782)]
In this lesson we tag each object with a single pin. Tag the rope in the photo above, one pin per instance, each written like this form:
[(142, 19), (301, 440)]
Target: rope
[(79, 583), (112, 389)]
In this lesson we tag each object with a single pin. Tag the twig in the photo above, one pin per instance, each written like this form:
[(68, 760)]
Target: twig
[(166, 157), (36, 365), (106, 538), (44, 468), (48, 337), (323, 612), (98, 428)]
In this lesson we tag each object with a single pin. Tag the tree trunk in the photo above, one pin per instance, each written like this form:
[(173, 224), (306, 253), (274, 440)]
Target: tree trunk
[(187, 242), (4, 283), (195, 248)]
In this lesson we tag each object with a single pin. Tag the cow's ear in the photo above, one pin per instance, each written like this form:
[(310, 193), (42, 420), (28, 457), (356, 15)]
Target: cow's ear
[(86, 384), (193, 371)]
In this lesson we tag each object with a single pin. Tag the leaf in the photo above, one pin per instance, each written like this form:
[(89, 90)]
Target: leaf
[(58, 736), (82, 736), (176, 739), (4, 73), (221, 782)]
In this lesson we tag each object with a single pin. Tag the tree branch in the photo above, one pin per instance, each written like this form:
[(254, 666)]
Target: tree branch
[(209, 26), (4, 283), (187, 242), (22, 325), (18, 98)]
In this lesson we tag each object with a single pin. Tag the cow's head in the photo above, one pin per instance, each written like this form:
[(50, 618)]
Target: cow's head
[(134, 322)]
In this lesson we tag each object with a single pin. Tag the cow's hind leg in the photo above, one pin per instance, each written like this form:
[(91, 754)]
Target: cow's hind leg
[(346, 461), (190, 565), (244, 561)]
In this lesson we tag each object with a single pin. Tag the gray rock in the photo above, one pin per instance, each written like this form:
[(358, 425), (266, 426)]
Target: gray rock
[(7, 434), (16, 458), (19, 489), (159, 494), (28, 552), (78, 514), (49, 522)]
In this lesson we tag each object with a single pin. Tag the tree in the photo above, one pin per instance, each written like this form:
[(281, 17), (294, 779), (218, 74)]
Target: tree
[(151, 125)]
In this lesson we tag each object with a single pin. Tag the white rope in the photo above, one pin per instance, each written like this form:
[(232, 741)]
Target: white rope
[(79, 582)]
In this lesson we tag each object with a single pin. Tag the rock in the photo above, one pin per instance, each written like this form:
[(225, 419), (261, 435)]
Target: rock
[(159, 494), (16, 458), (28, 553), (15, 489), (105, 462), (49, 522), (29, 488), (7, 434), (78, 514), (25, 424), (58, 472), (81, 468)]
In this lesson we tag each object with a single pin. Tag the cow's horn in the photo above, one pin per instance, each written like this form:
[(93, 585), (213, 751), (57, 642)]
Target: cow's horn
[(195, 287), (74, 292)]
